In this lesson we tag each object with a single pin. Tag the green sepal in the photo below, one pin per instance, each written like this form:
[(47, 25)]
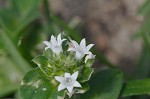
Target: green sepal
[(63, 61), (44, 65), (35, 86), (48, 53), (85, 74), (89, 63), (83, 89)]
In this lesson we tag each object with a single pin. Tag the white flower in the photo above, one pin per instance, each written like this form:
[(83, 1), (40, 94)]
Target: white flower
[(68, 81), (81, 49), (89, 56), (55, 44)]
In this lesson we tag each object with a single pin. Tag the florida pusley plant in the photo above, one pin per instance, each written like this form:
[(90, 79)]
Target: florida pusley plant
[(63, 69)]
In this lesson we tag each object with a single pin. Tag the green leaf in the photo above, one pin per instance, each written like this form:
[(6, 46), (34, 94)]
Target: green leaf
[(40, 61), (85, 87), (145, 8), (10, 76), (20, 62), (50, 26), (48, 53), (85, 74), (105, 84), (43, 64), (142, 67), (14, 20), (34, 86), (66, 60), (89, 62), (136, 87), (146, 39), (25, 7), (8, 20), (27, 12)]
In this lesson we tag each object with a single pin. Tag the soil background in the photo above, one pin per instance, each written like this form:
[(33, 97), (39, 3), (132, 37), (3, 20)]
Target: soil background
[(109, 24)]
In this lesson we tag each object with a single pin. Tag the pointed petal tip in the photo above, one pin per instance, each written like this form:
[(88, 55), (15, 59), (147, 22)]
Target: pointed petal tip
[(59, 36), (45, 42), (75, 75), (83, 42), (77, 84), (67, 75), (46, 48), (71, 49), (92, 44), (61, 87), (70, 88), (59, 79), (89, 47), (83, 39), (77, 72)]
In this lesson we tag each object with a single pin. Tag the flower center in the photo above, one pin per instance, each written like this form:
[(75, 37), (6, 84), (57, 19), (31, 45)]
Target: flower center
[(69, 81)]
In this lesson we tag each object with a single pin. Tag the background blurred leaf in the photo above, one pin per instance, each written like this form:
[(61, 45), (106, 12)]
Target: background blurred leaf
[(21, 63), (137, 87), (10, 76), (145, 9), (14, 19), (12, 64), (142, 67), (105, 84), (26, 8), (8, 20)]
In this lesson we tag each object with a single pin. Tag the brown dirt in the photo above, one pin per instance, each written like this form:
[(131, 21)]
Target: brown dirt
[(110, 24)]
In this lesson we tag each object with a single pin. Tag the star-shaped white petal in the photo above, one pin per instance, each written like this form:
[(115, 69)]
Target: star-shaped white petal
[(55, 44), (68, 81), (80, 49)]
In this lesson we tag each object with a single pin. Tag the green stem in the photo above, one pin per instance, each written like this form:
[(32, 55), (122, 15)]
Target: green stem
[(50, 23), (13, 52), (47, 12)]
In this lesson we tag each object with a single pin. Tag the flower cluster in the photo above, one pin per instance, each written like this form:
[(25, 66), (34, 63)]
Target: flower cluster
[(67, 64)]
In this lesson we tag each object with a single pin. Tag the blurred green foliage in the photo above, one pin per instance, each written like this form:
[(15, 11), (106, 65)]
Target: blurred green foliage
[(143, 64)]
